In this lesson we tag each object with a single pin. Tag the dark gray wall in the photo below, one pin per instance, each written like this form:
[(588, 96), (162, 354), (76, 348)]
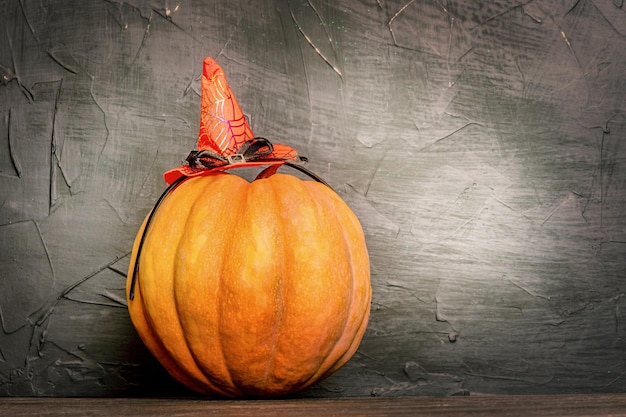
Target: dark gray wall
[(480, 143)]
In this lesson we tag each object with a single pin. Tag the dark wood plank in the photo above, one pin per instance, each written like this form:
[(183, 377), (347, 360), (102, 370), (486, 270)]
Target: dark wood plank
[(531, 406)]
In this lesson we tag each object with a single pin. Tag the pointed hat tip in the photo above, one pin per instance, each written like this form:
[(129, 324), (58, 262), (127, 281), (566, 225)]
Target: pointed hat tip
[(210, 67)]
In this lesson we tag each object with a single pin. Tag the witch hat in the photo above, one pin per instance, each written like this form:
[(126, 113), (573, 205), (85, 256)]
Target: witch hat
[(225, 139)]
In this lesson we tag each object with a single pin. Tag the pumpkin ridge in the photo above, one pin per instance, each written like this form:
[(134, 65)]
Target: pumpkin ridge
[(190, 217), (227, 254), (327, 207), (353, 340), (359, 328), (288, 181), (362, 323), (280, 296), (165, 355), (151, 319), (145, 327)]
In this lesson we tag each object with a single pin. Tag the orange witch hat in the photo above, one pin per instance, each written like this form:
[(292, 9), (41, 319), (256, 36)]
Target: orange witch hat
[(225, 139)]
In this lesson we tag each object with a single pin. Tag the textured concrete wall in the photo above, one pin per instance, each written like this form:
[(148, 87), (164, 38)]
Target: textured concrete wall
[(480, 143)]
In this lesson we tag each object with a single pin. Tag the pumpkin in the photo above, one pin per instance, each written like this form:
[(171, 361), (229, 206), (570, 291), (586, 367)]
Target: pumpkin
[(251, 288), (246, 288)]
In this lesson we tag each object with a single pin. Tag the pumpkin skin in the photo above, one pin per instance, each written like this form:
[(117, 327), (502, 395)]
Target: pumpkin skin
[(251, 289)]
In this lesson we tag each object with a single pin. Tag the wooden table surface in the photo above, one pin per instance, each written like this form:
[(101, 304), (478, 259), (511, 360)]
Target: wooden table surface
[(545, 405)]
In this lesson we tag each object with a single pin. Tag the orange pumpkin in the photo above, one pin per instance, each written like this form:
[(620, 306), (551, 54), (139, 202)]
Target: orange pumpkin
[(254, 288)]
